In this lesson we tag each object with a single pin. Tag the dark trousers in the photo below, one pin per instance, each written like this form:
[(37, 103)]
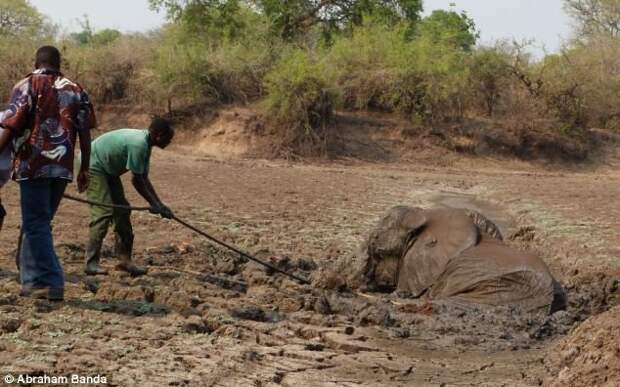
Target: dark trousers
[(39, 264)]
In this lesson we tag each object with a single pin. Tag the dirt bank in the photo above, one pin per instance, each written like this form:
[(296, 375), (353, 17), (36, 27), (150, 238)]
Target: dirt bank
[(231, 132)]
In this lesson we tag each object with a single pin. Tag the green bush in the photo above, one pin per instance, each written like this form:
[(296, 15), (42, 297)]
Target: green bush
[(363, 65), (299, 101), (490, 78), (432, 81), (377, 67), (195, 67)]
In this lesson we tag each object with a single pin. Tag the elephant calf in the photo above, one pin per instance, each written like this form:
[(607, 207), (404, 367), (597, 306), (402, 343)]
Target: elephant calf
[(457, 254)]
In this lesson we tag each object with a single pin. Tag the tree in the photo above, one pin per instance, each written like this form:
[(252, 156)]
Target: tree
[(595, 17), (19, 17), (88, 36), (490, 70), (213, 18), (294, 17), (449, 27), (291, 18)]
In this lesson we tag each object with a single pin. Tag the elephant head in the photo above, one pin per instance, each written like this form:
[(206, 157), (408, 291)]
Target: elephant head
[(410, 246), (389, 241)]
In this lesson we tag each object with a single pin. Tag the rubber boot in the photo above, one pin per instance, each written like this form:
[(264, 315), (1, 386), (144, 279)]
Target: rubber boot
[(93, 255), (123, 248), (50, 294)]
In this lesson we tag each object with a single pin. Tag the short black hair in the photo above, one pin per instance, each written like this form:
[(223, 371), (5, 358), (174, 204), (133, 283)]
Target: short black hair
[(48, 56), (161, 126)]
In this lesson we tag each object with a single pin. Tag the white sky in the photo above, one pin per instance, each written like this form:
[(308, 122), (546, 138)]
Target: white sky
[(123, 15), (542, 20)]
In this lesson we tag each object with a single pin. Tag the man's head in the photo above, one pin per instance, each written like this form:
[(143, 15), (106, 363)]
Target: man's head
[(47, 57), (161, 132)]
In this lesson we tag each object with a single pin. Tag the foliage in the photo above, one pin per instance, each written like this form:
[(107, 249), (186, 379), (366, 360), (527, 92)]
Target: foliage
[(213, 18), (583, 85), (303, 59), (18, 17), (15, 64), (595, 17), (190, 66), (99, 38), (109, 72), (378, 67), (289, 19), (299, 100), (490, 76), (449, 27)]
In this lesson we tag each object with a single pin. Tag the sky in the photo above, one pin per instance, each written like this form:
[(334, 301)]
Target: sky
[(542, 20)]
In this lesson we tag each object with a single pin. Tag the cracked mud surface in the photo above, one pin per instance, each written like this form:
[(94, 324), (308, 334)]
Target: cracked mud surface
[(202, 317)]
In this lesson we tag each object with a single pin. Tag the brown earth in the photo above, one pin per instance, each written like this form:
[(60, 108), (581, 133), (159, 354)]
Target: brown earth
[(203, 317)]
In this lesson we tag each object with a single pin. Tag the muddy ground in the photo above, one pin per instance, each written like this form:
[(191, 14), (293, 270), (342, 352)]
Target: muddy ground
[(203, 317)]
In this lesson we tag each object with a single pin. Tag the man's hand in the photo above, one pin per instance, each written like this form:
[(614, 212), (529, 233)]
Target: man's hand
[(162, 210), (82, 181), (165, 212)]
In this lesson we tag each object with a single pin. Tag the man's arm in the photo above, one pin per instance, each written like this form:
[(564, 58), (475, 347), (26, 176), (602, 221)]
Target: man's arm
[(2, 214), (82, 178), (144, 187), (86, 121), (5, 139)]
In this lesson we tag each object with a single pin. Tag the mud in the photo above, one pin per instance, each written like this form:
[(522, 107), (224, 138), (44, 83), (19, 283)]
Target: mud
[(589, 356), (269, 298), (180, 324)]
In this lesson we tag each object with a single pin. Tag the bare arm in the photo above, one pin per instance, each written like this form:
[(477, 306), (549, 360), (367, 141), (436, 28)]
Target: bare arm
[(84, 136), (82, 179), (143, 185), (5, 138)]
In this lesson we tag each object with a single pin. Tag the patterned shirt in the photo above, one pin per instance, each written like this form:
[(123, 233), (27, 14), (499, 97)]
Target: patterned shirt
[(45, 113)]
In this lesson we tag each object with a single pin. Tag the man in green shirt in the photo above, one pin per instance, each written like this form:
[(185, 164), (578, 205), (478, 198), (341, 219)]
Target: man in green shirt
[(113, 154)]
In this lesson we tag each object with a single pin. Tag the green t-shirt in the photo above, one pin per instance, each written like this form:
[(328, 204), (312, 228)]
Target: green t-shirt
[(119, 151)]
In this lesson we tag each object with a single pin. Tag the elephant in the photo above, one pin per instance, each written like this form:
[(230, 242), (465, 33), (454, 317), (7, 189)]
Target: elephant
[(447, 253)]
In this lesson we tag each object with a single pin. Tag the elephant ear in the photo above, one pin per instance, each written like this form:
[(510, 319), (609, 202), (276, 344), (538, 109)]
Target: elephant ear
[(414, 219)]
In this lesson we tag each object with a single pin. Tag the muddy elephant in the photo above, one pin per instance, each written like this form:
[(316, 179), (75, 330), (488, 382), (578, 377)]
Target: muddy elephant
[(453, 253)]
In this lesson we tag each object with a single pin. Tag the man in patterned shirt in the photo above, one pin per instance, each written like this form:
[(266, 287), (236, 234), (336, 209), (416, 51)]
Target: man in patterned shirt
[(46, 113)]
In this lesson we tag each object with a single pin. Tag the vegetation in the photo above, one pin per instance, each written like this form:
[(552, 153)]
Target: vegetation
[(301, 60)]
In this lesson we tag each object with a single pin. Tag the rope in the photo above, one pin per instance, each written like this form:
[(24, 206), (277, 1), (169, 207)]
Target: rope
[(196, 230)]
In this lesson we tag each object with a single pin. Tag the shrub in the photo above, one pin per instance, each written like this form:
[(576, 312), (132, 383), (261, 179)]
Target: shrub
[(363, 67), (378, 67), (15, 63), (195, 67), (583, 84), (108, 71), (490, 78), (299, 102)]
